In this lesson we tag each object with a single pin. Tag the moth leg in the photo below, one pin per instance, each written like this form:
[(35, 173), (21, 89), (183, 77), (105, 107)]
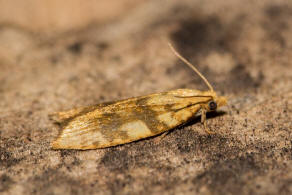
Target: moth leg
[(204, 121), (160, 137)]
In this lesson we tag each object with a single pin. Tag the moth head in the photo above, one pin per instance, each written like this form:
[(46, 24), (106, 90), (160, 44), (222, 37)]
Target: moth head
[(216, 102)]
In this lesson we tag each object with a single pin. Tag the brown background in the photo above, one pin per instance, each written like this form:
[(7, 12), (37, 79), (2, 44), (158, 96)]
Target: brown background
[(55, 55)]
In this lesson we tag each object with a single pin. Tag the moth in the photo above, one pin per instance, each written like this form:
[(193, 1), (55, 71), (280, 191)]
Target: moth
[(123, 121)]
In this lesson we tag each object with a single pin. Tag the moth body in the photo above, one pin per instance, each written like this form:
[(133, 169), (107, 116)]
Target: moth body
[(124, 121)]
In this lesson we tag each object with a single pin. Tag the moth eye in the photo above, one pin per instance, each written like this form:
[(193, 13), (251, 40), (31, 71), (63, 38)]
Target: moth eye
[(212, 105)]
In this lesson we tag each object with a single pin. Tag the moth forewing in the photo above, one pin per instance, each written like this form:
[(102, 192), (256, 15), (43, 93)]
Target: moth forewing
[(129, 120), (124, 121)]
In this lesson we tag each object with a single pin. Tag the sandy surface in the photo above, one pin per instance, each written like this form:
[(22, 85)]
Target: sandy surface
[(244, 48)]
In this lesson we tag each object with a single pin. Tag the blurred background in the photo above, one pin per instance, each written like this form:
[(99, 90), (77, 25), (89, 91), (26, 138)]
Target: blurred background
[(57, 55), (59, 16)]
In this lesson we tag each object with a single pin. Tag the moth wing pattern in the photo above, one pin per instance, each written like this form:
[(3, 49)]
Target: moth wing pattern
[(124, 121), (61, 117)]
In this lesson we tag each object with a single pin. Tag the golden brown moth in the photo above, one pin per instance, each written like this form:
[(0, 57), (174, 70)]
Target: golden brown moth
[(124, 121)]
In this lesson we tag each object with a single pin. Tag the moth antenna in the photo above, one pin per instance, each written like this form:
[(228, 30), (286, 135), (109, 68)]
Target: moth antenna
[(190, 65)]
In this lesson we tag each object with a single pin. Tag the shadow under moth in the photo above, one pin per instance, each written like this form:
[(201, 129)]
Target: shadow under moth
[(123, 121)]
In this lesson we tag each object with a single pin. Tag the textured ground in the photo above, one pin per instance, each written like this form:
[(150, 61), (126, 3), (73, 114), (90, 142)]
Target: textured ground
[(244, 48)]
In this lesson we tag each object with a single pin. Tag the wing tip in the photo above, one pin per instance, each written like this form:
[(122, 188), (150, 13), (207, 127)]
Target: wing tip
[(55, 145)]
